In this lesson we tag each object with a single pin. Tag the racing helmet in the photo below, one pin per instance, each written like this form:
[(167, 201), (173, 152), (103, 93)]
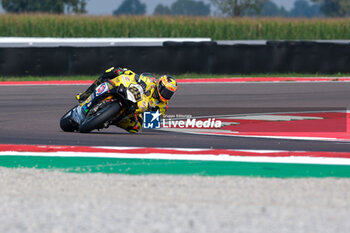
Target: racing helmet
[(166, 87)]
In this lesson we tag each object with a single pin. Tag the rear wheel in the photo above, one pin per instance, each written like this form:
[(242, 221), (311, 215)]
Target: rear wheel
[(97, 120)]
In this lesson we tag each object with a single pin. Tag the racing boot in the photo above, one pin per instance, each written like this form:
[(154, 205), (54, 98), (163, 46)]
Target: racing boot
[(132, 123), (134, 129)]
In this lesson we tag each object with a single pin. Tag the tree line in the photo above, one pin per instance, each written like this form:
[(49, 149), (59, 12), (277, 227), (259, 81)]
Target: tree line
[(228, 8)]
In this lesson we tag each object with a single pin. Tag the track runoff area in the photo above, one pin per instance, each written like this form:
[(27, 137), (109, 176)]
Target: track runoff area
[(211, 162)]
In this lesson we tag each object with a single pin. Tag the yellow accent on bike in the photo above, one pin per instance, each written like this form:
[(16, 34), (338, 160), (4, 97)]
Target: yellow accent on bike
[(78, 96), (109, 70)]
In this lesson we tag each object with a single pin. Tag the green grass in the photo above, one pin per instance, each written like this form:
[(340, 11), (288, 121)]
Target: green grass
[(181, 76)]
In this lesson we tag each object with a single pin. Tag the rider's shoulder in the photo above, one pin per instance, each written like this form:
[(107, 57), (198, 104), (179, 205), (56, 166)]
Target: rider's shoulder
[(147, 77)]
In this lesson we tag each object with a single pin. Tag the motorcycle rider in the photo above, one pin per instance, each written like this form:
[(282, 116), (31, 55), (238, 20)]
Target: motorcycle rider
[(157, 93)]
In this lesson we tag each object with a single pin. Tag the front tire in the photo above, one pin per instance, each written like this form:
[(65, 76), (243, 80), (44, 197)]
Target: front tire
[(67, 124), (99, 118)]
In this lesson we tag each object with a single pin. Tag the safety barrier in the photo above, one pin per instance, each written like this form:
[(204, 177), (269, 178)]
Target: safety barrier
[(180, 57)]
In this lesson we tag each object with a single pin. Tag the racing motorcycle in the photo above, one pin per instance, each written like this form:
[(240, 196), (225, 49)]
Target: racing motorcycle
[(109, 103)]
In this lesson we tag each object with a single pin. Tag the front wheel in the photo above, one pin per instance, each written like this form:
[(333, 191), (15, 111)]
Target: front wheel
[(66, 122), (97, 120)]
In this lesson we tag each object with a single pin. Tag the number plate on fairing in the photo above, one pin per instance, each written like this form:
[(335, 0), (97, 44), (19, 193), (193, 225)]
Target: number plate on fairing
[(135, 93)]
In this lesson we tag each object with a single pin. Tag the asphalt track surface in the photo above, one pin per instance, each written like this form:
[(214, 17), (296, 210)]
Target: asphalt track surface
[(50, 201), (30, 115)]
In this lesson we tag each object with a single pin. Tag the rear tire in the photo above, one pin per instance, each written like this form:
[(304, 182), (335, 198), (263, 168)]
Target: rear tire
[(67, 124), (97, 121)]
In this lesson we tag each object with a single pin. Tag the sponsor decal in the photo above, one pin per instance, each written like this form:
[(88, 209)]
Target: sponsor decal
[(102, 89), (126, 80)]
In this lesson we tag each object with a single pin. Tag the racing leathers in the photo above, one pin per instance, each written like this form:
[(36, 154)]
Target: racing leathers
[(133, 122)]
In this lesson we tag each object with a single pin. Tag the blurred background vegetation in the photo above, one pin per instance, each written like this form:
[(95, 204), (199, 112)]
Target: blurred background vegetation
[(47, 25), (219, 8), (231, 20)]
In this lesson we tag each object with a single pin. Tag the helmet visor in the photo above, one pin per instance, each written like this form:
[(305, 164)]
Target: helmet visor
[(164, 92)]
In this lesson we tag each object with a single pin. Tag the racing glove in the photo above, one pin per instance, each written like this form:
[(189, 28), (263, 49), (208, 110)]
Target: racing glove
[(112, 73)]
